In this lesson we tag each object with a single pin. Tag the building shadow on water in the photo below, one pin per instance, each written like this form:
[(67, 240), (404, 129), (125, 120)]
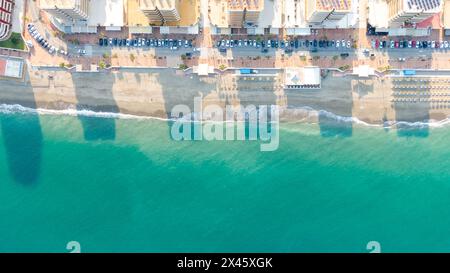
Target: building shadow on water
[(256, 90), (94, 93), (179, 88), (412, 102), (22, 135)]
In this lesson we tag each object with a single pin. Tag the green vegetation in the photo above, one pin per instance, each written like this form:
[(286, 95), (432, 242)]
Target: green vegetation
[(335, 57), (132, 57), (105, 55), (74, 41), (62, 65), (15, 42), (344, 67), (102, 65), (383, 68), (222, 67), (183, 67)]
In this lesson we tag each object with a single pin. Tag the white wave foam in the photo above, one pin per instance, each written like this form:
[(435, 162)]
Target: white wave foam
[(306, 111), (17, 108), (309, 112)]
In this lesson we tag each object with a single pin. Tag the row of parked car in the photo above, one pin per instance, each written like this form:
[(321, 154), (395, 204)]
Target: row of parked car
[(42, 41), (284, 43), (409, 44), (173, 44)]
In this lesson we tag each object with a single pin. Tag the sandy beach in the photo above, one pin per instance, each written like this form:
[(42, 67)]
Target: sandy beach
[(154, 92)]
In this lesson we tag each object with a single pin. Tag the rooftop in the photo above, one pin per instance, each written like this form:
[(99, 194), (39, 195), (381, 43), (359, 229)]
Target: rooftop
[(307, 77), (425, 5), (11, 67), (245, 4), (188, 10), (62, 4), (333, 4), (446, 14), (160, 4), (108, 13), (134, 15), (294, 14)]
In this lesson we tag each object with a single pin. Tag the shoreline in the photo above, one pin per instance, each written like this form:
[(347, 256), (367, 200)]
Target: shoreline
[(153, 94), (18, 108)]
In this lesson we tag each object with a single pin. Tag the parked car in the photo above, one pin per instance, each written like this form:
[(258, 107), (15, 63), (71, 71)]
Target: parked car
[(100, 42), (349, 44), (392, 44)]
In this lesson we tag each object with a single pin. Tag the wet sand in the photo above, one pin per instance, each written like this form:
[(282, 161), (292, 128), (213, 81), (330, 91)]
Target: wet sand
[(155, 92)]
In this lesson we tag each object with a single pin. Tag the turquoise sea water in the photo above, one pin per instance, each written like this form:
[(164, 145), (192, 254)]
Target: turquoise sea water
[(123, 185)]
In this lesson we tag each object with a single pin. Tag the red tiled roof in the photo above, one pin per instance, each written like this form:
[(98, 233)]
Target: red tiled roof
[(434, 22)]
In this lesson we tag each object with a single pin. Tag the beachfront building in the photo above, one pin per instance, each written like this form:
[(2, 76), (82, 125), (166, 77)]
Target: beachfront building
[(404, 17), (307, 77), (6, 11), (160, 11), (67, 10), (363, 71), (11, 67), (320, 12), (411, 11), (170, 16), (446, 18), (294, 18), (253, 16), (85, 16), (244, 13)]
